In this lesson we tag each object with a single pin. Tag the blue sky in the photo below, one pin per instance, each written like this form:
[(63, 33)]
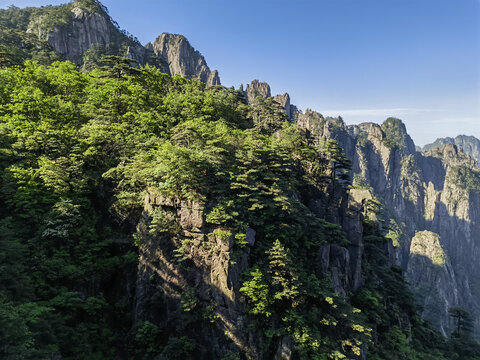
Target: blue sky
[(365, 60)]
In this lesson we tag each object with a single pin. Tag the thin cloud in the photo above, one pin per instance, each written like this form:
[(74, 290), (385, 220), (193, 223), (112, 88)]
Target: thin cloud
[(459, 120)]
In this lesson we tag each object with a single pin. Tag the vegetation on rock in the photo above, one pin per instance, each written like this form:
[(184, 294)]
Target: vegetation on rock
[(78, 150)]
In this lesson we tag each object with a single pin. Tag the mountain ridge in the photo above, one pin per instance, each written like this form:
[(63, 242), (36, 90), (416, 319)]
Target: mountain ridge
[(469, 144), (82, 31), (246, 213)]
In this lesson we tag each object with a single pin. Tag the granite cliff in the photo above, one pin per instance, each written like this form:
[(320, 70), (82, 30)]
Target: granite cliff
[(431, 208), (82, 31), (430, 202), (256, 238)]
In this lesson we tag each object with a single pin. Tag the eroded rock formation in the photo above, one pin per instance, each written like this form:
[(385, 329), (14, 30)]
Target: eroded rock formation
[(430, 200)]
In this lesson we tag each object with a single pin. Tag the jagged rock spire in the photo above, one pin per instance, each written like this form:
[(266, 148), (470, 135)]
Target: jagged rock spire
[(183, 59)]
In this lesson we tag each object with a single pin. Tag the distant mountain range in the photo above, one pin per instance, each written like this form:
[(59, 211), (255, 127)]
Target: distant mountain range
[(469, 144)]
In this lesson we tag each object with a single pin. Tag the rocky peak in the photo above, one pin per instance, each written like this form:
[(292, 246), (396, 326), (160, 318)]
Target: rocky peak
[(451, 155), (213, 78), (257, 89), (432, 200), (396, 135), (262, 90), (284, 101), (469, 144), (183, 59), (74, 28), (93, 6), (82, 31)]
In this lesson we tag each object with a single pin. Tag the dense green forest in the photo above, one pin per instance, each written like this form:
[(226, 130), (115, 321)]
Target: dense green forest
[(78, 150)]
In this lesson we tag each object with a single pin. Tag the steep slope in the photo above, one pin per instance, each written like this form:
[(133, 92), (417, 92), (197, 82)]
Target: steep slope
[(204, 228), (469, 144), (17, 46), (183, 59), (248, 240), (82, 31), (431, 203)]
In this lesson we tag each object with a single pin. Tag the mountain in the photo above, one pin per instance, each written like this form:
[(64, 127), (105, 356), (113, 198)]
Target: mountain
[(430, 206), (148, 216), (431, 203), (82, 31), (469, 144)]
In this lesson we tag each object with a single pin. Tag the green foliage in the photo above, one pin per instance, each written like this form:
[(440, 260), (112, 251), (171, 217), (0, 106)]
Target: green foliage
[(340, 163), (54, 233), (395, 133), (17, 46), (257, 291), (77, 153), (15, 18), (461, 345), (465, 177), (117, 66), (146, 340), (164, 222), (463, 321), (390, 311)]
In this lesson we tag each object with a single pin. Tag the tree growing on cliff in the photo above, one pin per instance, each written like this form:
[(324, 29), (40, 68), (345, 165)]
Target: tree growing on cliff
[(461, 344), (463, 321)]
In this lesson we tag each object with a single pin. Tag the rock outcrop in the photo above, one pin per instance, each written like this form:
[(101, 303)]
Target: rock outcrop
[(430, 199), (257, 89), (84, 31), (284, 101), (183, 59), (433, 279), (188, 266), (469, 144)]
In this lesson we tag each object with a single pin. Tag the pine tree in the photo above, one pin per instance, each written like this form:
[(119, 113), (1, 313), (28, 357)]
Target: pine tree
[(117, 66), (280, 269)]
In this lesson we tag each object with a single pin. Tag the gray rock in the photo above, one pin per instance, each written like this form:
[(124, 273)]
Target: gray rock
[(183, 59), (257, 89), (420, 192), (93, 28), (213, 78), (251, 236), (284, 101), (285, 349), (469, 144), (74, 38)]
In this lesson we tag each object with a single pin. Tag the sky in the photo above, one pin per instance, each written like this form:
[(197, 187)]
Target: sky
[(365, 60)]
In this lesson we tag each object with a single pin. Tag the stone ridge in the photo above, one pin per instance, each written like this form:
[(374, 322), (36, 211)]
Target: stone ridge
[(469, 144), (421, 192), (86, 26), (183, 59), (262, 90)]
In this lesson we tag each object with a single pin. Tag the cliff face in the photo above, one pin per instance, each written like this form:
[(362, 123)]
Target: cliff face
[(202, 276), (183, 59), (82, 31), (71, 40), (431, 209), (188, 267)]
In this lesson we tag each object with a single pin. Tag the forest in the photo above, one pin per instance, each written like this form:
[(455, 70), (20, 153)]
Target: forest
[(78, 153)]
